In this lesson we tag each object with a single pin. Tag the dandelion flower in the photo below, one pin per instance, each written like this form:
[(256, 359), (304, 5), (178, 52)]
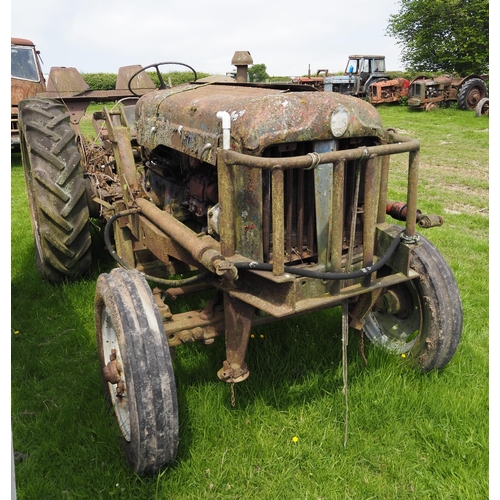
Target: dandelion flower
[(403, 355), (253, 336), (261, 336), (295, 439)]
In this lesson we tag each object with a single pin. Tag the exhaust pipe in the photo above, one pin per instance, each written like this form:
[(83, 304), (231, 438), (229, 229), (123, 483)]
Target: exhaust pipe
[(241, 60)]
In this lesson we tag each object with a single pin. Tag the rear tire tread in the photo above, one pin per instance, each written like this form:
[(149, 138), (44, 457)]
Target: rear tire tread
[(56, 189)]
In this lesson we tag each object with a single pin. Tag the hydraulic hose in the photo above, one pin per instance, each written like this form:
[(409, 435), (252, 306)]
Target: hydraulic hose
[(119, 260), (360, 273)]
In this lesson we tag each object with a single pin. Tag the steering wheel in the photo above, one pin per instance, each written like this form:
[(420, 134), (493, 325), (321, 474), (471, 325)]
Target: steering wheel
[(163, 85)]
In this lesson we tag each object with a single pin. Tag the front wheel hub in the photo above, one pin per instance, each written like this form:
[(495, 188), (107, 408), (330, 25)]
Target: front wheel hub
[(111, 371), (395, 301)]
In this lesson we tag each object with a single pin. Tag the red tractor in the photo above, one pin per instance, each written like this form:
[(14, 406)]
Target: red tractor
[(388, 91)]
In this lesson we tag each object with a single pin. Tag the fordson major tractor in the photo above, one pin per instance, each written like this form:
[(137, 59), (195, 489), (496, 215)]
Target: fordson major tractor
[(270, 198)]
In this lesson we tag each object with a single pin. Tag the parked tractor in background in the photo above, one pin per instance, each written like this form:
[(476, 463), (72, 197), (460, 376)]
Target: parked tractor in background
[(361, 71), (427, 93), (271, 199), (388, 91), (26, 80), (318, 81)]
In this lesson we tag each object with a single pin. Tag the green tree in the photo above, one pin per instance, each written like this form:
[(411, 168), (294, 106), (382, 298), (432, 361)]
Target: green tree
[(258, 73), (443, 35)]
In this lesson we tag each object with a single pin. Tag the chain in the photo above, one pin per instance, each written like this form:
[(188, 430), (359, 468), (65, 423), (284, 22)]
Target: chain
[(345, 339), (362, 346), (345, 303), (233, 400)]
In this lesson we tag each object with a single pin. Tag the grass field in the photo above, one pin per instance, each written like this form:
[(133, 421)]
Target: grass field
[(410, 436)]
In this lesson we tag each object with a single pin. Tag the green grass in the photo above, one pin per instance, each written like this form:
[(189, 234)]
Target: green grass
[(410, 436)]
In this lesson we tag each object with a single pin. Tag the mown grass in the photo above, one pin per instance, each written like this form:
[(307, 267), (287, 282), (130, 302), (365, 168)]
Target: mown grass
[(410, 436)]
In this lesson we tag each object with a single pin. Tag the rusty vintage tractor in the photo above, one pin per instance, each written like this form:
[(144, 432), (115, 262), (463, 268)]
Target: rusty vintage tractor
[(271, 199), (318, 81), (427, 93), (26, 80), (388, 91)]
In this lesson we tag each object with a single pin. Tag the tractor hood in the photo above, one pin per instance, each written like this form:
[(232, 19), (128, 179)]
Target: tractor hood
[(188, 117)]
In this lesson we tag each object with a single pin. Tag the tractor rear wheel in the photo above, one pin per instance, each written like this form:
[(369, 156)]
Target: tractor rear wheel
[(470, 93), (421, 318), (56, 190), (137, 369)]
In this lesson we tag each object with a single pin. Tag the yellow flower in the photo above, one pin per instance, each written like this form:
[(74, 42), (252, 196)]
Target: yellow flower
[(261, 336), (295, 439), (16, 332), (403, 355), (253, 336)]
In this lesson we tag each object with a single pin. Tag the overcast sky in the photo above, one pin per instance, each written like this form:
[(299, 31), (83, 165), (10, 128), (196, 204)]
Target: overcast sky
[(286, 36)]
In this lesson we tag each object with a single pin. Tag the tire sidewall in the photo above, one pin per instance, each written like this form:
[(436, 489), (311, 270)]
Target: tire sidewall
[(440, 306), (147, 367)]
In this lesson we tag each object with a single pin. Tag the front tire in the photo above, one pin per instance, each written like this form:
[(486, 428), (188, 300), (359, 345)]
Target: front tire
[(137, 369), (421, 318), (483, 107), (56, 190)]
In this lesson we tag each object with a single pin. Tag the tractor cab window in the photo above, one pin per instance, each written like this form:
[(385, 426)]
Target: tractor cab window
[(23, 63), (352, 66), (365, 67), (379, 66)]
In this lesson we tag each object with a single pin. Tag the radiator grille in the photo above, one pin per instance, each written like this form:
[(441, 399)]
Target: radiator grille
[(299, 209)]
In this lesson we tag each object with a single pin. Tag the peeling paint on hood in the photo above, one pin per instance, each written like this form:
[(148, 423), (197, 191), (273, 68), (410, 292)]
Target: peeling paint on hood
[(184, 117)]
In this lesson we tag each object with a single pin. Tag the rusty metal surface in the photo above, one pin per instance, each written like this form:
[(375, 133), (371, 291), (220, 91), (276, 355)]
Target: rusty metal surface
[(202, 249), (269, 205), (371, 183), (388, 91), (396, 144), (317, 82), (238, 317), (424, 91), (22, 84), (20, 89), (185, 118), (68, 84)]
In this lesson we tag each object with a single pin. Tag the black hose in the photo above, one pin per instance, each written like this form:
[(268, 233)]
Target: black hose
[(360, 273), (107, 236), (117, 258)]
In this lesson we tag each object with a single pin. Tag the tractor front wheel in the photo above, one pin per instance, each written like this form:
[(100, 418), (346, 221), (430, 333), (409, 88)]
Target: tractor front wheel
[(483, 107), (420, 318), (137, 369), (56, 190)]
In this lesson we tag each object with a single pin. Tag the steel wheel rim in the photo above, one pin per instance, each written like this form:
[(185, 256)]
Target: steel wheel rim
[(120, 403), (474, 97), (396, 333)]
